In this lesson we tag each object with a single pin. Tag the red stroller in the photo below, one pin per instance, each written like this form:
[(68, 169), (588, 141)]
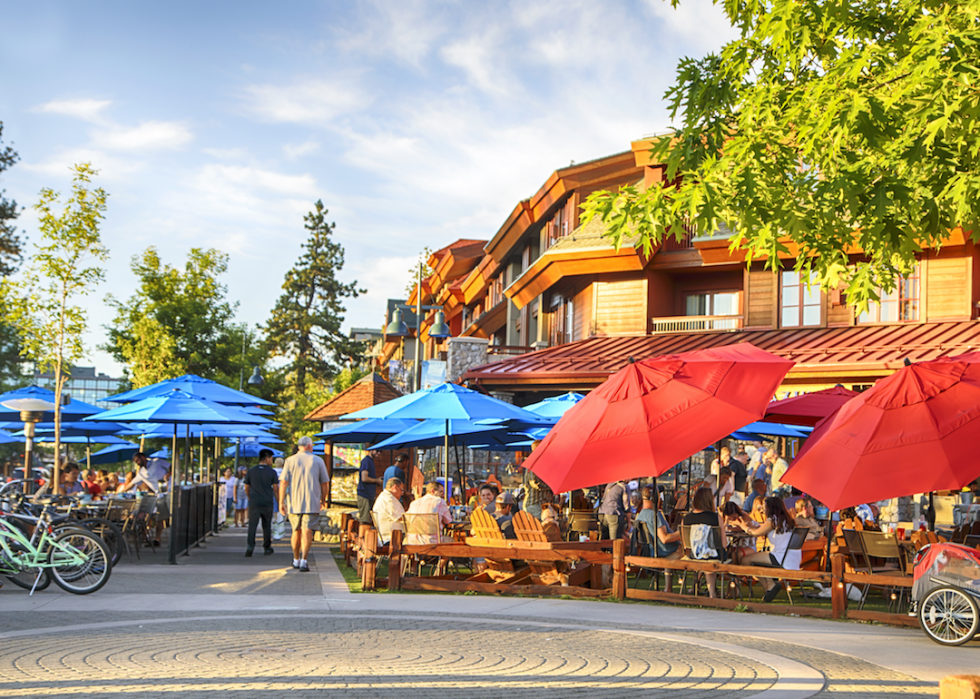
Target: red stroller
[(946, 592)]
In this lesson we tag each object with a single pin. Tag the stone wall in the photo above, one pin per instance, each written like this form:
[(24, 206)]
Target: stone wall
[(464, 353)]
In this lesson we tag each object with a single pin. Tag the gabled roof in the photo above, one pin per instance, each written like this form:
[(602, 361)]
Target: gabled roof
[(860, 353), (370, 390)]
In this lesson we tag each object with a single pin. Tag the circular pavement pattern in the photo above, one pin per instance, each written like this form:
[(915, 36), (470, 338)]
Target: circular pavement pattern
[(403, 656)]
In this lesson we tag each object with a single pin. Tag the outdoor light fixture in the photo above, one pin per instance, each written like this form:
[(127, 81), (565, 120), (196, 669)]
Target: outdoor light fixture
[(397, 326), (31, 412), (439, 329), (256, 378)]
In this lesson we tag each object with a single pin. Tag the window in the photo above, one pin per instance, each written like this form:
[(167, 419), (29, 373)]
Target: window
[(799, 306), (562, 322), (901, 305), (717, 303)]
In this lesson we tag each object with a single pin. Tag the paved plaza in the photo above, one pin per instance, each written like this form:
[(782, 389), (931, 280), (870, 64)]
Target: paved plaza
[(256, 628)]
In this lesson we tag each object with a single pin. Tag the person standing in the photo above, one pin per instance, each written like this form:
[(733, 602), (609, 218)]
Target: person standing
[(262, 490), (367, 487), (229, 492), (614, 511), (397, 470), (537, 493), (241, 499), (304, 482)]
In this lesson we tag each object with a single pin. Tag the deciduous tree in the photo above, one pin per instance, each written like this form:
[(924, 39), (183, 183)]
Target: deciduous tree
[(827, 125), (11, 249), (64, 267), (305, 323)]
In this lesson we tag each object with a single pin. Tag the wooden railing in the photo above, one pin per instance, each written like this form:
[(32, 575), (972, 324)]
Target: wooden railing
[(690, 324)]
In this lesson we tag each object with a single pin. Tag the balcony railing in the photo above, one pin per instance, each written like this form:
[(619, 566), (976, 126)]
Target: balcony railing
[(694, 324)]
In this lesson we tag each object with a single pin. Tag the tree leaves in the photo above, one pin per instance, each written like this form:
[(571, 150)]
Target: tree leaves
[(828, 123)]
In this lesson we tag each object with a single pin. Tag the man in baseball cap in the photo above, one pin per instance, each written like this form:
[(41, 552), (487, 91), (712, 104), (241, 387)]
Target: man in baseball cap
[(504, 513)]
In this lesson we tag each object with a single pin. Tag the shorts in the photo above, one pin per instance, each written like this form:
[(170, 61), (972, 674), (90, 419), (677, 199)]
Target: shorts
[(306, 520), (241, 504)]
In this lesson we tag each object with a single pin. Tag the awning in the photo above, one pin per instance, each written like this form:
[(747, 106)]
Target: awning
[(850, 355)]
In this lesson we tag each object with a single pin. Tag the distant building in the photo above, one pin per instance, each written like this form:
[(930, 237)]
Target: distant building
[(369, 335), (85, 385)]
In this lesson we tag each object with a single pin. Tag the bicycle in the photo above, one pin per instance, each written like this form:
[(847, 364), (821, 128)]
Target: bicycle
[(76, 559)]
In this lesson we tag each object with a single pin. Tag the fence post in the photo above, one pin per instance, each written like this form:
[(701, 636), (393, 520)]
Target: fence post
[(619, 569), (370, 547), (395, 561), (838, 591), (344, 543)]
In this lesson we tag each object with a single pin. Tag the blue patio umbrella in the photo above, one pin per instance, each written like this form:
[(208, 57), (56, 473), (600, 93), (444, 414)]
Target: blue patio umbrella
[(251, 450), (555, 407), (80, 439), (113, 454), (178, 407), (7, 438), (74, 410), (446, 401), (432, 433), (366, 431), (81, 428), (195, 386), (756, 430)]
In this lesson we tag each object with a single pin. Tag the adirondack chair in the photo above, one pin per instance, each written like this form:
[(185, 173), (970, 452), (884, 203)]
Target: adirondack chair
[(484, 531), (528, 528)]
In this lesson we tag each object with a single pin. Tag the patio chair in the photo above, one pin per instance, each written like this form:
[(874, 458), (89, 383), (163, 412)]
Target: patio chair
[(795, 544), (422, 528), (861, 546), (137, 525), (582, 522), (689, 555), (642, 543)]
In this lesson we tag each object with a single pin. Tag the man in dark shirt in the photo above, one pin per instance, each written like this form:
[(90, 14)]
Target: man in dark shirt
[(504, 515), (262, 489), (614, 511), (367, 488)]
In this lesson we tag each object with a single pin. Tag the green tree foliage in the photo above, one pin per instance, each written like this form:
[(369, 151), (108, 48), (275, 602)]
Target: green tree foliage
[(10, 257), (830, 123), (305, 323), (178, 321), (63, 268), (413, 273)]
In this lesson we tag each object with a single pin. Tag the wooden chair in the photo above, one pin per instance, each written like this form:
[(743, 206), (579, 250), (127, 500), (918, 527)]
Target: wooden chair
[(528, 528), (484, 531)]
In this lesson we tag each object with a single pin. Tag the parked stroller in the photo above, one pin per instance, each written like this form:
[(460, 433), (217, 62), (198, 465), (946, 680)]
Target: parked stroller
[(946, 592)]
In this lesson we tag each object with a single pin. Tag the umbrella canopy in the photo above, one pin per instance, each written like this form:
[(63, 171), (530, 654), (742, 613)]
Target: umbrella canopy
[(808, 408), (154, 429), (366, 431), (80, 439), (178, 407), (446, 401), (114, 454), (195, 386), (81, 428), (913, 432), (250, 450), (555, 407), (754, 430), (6, 438), (654, 413), (432, 433), (74, 410)]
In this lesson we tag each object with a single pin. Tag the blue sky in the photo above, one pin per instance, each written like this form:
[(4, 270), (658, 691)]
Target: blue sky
[(219, 124)]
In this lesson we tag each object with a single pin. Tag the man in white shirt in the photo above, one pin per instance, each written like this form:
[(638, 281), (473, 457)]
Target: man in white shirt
[(304, 484), (388, 509), (148, 472), (430, 503), (777, 467)]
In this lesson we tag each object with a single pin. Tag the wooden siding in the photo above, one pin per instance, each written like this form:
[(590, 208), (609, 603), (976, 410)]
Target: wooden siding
[(947, 285), (583, 314), (620, 307), (761, 298), (838, 315)]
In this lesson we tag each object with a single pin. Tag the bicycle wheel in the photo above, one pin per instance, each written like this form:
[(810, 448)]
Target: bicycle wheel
[(80, 561), (21, 576), (949, 616), (109, 533)]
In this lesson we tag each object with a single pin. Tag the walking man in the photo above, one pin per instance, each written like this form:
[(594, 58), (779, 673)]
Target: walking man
[(262, 490), (304, 481)]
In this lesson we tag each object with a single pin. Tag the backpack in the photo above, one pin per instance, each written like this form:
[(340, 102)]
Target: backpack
[(701, 542)]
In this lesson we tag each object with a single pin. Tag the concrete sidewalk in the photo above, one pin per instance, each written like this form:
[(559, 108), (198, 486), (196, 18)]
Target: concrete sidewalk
[(216, 582)]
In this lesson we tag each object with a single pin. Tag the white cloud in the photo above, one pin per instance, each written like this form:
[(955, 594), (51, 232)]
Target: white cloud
[(698, 25), (311, 101), (406, 30), (149, 135), (294, 151), (477, 57), (59, 164), (85, 109)]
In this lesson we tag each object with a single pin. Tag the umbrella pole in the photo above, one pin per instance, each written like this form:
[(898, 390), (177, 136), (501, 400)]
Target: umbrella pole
[(830, 532), (459, 474), (88, 453), (445, 462), (174, 503), (142, 439), (200, 466)]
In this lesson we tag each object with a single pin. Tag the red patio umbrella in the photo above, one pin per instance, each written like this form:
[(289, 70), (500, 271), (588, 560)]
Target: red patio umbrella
[(912, 432), (809, 408), (654, 413)]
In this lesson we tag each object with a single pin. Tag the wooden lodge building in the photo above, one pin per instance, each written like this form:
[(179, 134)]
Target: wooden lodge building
[(547, 305)]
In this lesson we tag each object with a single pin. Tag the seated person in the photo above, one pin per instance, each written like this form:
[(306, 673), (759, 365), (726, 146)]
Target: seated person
[(488, 496), (549, 523), (778, 529), (806, 518), (504, 513), (388, 509), (703, 513), (734, 515), (667, 541), (432, 502), (758, 491)]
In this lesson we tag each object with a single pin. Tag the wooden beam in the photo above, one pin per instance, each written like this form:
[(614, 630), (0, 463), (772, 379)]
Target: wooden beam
[(717, 567), (760, 607), (494, 589)]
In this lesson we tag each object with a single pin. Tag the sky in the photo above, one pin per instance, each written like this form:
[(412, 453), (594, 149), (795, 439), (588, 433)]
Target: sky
[(219, 124)]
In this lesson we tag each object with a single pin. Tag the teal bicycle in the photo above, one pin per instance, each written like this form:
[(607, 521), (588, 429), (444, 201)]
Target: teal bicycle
[(33, 552)]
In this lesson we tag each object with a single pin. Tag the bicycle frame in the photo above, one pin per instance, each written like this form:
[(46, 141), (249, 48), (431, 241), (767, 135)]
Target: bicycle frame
[(37, 554)]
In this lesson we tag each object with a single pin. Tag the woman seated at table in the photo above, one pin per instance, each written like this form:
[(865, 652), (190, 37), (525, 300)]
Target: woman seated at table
[(112, 482), (778, 529), (806, 518), (734, 516), (703, 512), (667, 541)]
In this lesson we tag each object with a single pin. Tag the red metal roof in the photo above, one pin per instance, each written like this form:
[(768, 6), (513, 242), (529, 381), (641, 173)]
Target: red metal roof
[(870, 348)]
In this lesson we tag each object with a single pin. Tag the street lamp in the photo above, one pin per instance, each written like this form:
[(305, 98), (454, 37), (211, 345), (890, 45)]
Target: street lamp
[(31, 412), (398, 328)]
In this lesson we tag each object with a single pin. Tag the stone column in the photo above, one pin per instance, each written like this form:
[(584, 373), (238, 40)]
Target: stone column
[(463, 354)]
